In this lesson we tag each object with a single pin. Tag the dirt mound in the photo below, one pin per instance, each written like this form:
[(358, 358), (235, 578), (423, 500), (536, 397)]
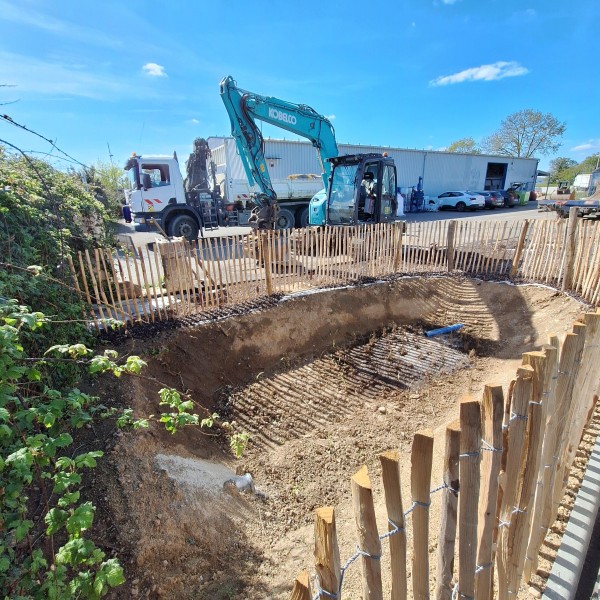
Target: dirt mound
[(324, 382)]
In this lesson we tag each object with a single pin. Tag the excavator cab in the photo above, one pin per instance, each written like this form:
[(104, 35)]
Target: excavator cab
[(362, 189)]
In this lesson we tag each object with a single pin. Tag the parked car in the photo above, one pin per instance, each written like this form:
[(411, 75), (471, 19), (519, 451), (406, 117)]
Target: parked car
[(493, 198), (460, 201), (511, 198)]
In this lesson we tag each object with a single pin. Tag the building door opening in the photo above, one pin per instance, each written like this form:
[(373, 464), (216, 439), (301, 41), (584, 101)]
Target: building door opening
[(495, 176)]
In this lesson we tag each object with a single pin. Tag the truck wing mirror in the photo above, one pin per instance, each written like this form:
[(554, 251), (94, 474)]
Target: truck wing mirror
[(146, 181)]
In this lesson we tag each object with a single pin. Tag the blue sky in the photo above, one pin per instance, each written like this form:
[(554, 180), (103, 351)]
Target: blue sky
[(144, 76)]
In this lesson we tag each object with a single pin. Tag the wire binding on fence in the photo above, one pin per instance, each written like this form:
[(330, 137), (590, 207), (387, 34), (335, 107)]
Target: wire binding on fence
[(514, 511), (487, 446), (479, 568), (514, 416), (470, 454), (336, 595), (458, 594)]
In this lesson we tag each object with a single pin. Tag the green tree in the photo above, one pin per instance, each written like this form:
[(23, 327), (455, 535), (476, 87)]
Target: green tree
[(568, 173), (465, 146), (526, 133), (558, 165)]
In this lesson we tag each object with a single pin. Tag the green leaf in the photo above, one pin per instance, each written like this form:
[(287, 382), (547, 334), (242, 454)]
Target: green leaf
[(37, 561), (81, 519), (114, 572), (55, 518), (21, 529), (4, 564), (68, 499), (64, 463), (88, 459), (64, 439), (134, 365), (34, 375), (63, 480), (75, 552)]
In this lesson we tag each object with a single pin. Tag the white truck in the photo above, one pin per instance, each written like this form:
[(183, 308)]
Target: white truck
[(156, 191), (293, 192)]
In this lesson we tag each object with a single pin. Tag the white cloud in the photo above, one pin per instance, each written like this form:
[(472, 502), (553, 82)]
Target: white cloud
[(194, 121), (497, 70), (61, 78), (593, 145), (154, 70), (331, 117), (32, 18)]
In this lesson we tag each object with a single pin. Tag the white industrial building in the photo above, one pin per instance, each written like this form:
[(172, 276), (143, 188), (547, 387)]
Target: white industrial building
[(441, 171)]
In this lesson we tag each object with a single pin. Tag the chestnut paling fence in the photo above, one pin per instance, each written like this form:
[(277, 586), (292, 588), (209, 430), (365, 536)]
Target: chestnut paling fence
[(171, 279), (505, 472)]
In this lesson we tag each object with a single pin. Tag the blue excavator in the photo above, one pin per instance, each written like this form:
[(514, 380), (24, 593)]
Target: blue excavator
[(359, 188)]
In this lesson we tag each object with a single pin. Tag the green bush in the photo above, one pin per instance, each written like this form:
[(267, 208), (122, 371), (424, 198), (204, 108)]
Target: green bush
[(45, 216), (44, 551)]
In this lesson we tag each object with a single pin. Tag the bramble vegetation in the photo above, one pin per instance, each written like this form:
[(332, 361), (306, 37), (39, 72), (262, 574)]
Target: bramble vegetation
[(46, 547), (44, 551), (46, 215)]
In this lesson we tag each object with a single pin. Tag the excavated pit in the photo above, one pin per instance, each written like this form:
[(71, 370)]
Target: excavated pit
[(323, 382)]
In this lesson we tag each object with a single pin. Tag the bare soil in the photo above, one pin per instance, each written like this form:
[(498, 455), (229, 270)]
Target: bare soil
[(323, 383)]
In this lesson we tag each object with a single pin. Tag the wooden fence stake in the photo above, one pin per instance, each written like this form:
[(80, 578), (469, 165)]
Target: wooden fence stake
[(549, 418), (327, 553), (518, 532), (113, 272), (266, 256), (79, 292), (513, 457), (570, 249), (398, 246), (470, 454), (492, 409), (420, 475), (95, 287), (447, 539), (390, 469), (450, 245), (301, 589), (519, 250), (570, 357), (368, 537)]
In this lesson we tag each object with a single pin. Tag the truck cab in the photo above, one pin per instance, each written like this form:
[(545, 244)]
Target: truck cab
[(362, 189), (156, 192)]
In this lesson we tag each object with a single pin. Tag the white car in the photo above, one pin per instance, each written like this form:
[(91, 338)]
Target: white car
[(460, 201)]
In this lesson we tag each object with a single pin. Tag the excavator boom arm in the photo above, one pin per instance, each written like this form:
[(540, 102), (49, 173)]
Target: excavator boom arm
[(245, 108)]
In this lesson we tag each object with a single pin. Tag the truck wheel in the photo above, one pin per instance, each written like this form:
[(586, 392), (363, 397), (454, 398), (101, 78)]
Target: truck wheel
[(285, 219), (460, 206), (184, 226), (302, 218)]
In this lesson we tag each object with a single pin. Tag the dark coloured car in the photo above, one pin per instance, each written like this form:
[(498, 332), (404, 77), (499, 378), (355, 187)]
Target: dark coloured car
[(493, 198), (511, 198)]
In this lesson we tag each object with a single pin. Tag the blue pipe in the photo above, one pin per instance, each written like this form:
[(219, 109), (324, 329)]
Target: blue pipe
[(442, 330)]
